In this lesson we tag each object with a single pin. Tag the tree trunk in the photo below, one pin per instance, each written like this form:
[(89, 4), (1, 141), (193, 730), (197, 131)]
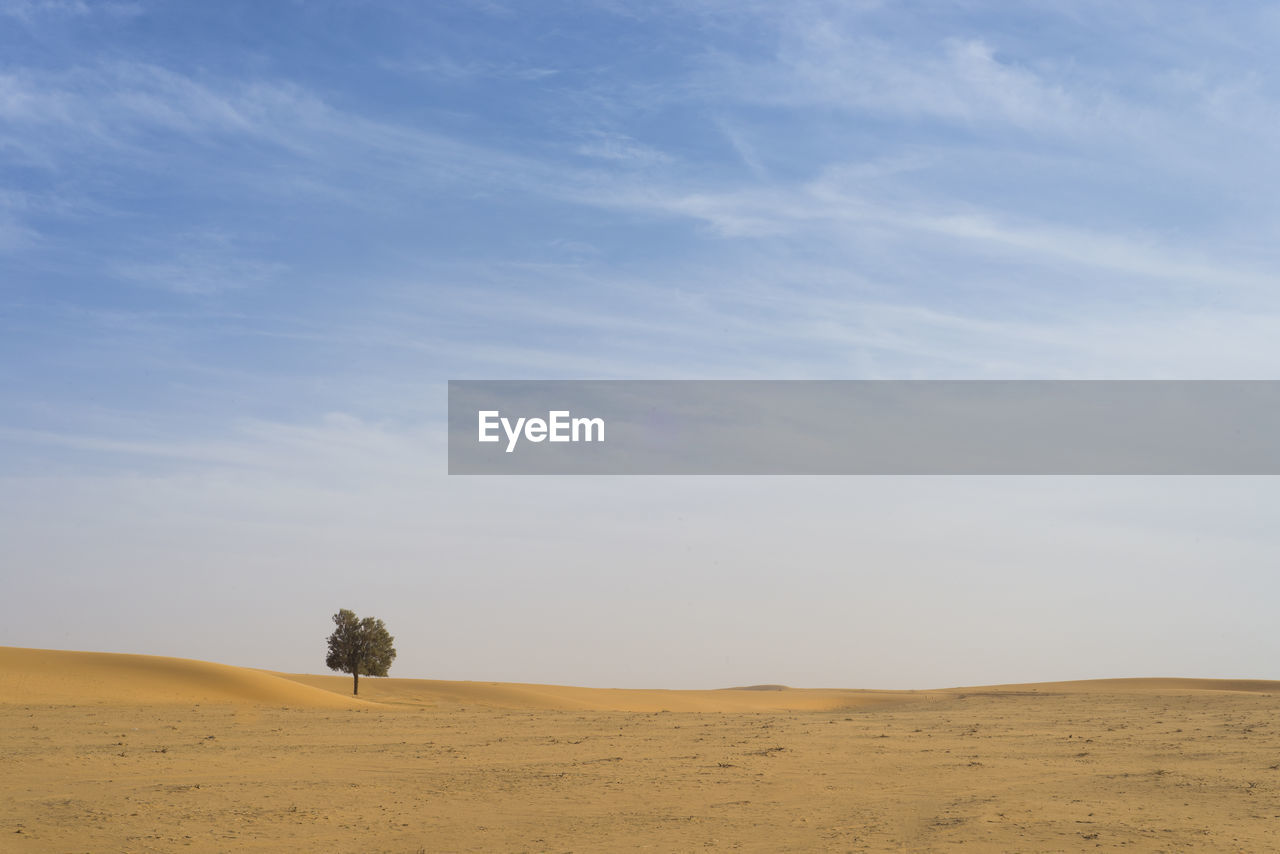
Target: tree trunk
[(355, 688)]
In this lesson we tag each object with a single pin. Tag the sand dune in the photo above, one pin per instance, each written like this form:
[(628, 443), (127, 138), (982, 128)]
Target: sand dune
[(1160, 685), (46, 676), (57, 676), (38, 676), (514, 695), (62, 677)]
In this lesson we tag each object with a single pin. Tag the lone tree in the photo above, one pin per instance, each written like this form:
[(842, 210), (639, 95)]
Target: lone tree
[(360, 647)]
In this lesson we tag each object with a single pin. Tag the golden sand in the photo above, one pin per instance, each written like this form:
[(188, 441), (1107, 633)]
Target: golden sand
[(139, 753)]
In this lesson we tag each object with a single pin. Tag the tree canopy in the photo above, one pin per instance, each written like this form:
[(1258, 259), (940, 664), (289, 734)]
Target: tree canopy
[(360, 647)]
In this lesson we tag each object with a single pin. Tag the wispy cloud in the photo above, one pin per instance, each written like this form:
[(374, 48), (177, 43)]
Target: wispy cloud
[(960, 80), (621, 149), (197, 273), (114, 105), (743, 148), (35, 10), (887, 221), (448, 68), (14, 234)]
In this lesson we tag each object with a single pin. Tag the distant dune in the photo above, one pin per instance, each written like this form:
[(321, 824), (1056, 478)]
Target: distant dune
[(46, 676), (514, 695), (1161, 685), (36, 676)]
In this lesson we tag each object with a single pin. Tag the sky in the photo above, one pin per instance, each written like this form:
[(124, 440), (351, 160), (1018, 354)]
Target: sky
[(244, 246)]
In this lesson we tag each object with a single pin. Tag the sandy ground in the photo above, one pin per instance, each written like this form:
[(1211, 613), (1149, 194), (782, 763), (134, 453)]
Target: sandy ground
[(132, 753)]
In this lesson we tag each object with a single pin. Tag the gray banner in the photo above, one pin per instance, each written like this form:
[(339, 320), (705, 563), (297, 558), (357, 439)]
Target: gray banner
[(864, 427)]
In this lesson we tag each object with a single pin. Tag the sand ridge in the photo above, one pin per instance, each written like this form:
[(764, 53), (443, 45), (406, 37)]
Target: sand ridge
[(60, 676), (514, 695), (1133, 685), (42, 676), (48, 676)]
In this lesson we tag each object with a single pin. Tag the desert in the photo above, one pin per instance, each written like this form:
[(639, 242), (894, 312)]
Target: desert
[(820, 426), (110, 752)]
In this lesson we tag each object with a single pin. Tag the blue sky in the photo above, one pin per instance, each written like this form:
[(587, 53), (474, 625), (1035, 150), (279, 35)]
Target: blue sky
[(244, 245)]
